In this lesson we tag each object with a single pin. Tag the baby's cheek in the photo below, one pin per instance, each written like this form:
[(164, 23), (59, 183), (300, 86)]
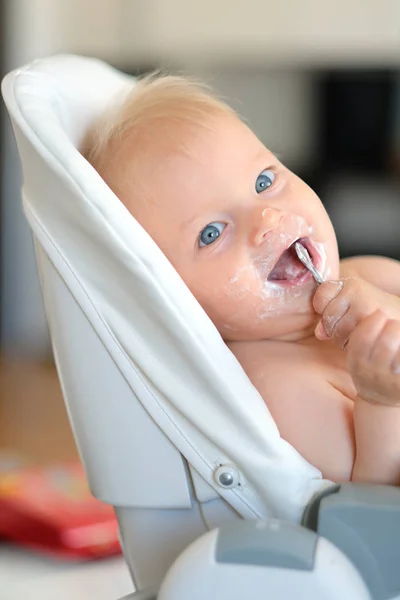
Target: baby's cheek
[(227, 300), (245, 300), (242, 283), (237, 300)]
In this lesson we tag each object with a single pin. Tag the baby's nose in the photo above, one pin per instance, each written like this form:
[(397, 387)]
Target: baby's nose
[(266, 220)]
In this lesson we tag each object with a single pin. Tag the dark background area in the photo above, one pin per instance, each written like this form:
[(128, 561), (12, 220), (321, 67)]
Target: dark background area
[(356, 166)]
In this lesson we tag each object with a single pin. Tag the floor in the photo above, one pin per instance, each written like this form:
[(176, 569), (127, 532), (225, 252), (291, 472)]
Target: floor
[(33, 420), (34, 428)]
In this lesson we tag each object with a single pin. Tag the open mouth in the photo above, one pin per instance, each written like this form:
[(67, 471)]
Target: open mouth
[(289, 267)]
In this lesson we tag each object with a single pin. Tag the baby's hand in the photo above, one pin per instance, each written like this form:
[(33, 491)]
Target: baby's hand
[(344, 303), (365, 320)]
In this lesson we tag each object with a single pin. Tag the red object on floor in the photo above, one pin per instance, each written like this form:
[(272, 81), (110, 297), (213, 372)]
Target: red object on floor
[(52, 510)]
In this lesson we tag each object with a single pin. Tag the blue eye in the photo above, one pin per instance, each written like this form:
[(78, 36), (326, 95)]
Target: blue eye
[(210, 233), (264, 180)]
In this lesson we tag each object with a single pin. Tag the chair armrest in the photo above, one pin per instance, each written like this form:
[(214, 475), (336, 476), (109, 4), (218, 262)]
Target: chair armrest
[(262, 559), (363, 521)]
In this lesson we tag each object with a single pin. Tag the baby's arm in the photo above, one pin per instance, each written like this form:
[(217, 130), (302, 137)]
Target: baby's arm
[(377, 430), (374, 361), (367, 321), (376, 461), (378, 270)]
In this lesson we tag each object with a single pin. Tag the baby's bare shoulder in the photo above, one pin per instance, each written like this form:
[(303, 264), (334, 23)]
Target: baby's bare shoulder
[(307, 399), (378, 270)]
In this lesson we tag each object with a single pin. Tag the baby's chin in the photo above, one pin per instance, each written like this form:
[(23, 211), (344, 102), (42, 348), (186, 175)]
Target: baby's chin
[(259, 315), (290, 327)]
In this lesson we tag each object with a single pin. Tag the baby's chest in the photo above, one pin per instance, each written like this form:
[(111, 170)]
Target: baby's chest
[(310, 397), (274, 366), (322, 365), (330, 363)]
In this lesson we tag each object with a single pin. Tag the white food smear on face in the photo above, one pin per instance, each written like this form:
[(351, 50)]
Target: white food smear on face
[(285, 240), (274, 296), (272, 290), (242, 289)]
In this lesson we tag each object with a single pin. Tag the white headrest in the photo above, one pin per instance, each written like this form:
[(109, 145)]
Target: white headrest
[(198, 392)]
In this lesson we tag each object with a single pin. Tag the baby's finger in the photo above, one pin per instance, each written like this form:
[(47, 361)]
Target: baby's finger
[(386, 345), (339, 319), (395, 364), (325, 293), (362, 341)]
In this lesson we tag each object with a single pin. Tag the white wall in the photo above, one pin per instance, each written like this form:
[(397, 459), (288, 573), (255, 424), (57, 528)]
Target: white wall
[(265, 32), (268, 32)]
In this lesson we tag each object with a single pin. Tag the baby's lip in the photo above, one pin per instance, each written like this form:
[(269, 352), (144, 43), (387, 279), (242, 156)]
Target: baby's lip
[(306, 242), (311, 249)]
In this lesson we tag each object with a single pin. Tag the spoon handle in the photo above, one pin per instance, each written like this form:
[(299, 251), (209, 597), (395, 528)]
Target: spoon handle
[(305, 258)]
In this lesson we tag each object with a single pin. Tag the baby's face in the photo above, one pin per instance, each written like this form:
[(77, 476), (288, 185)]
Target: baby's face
[(227, 217)]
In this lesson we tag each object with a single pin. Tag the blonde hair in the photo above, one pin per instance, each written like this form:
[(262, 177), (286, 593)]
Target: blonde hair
[(154, 100)]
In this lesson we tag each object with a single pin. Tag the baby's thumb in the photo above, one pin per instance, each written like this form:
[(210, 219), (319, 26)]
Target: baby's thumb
[(320, 332), (325, 293)]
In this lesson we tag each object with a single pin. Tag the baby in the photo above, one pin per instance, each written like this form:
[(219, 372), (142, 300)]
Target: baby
[(227, 213)]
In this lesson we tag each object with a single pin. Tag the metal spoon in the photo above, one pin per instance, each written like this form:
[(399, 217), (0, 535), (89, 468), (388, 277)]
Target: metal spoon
[(305, 258)]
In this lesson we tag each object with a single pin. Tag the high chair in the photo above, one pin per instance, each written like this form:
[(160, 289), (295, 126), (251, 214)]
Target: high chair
[(211, 502)]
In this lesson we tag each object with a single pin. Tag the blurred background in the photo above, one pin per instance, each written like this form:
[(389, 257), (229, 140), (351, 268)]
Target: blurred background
[(319, 82)]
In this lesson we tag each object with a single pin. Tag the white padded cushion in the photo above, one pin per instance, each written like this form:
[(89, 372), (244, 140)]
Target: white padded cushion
[(197, 391)]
